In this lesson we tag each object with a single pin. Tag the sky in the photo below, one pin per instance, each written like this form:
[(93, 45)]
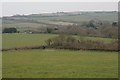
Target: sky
[(59, 0), (13, 8)]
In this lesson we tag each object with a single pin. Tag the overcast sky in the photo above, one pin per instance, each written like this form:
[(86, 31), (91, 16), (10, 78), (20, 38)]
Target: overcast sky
[(12, 8)]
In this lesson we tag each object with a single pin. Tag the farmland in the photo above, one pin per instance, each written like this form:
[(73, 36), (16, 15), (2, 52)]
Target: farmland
[(60, 64), (24, 40), (51, 63), (56, 19), (34, 29)]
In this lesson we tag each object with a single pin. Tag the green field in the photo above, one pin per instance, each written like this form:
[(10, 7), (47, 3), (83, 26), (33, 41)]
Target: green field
[(0, 64), (23, 40), (71, 17), (56, 63), (50, 63), (60, 64)]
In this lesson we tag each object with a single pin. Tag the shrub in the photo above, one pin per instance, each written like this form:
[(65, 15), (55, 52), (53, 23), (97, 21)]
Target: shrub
[(49, 30), (69, 42), (9, 30)]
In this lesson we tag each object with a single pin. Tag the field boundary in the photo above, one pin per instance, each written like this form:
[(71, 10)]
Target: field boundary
[(59, 79), (52, 47)]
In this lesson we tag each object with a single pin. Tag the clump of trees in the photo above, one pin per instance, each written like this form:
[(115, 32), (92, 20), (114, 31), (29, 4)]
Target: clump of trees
[(96, 28), (70, 42), (9, 30)]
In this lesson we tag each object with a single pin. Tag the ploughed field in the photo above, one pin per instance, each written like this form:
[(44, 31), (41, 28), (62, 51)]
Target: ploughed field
[(54, 63)]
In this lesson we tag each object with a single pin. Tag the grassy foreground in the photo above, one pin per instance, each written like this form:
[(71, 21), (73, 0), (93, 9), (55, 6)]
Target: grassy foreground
[(60, 64)]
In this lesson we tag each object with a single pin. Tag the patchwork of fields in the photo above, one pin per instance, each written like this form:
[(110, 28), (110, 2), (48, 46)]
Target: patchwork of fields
[(50, 63), (27, 52), (36, 21)]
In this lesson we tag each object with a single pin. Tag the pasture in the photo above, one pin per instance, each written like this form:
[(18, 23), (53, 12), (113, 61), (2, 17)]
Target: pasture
[(51, 63), (77, 17), (23, 40), (56, 63)]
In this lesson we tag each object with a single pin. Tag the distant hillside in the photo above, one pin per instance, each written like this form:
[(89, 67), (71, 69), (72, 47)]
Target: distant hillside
[(61, 20)]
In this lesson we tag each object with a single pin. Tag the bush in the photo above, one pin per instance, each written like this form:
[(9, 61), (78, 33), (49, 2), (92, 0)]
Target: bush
[(49, 30), (9, 30), (69, 42)]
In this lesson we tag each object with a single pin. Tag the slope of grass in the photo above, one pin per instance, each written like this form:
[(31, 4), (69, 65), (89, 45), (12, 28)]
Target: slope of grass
[(22, 40), (105, 16), (60, 64), (22, 25)]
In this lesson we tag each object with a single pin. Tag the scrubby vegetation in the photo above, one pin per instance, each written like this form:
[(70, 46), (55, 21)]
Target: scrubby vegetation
[(9, 30), (69, 42)]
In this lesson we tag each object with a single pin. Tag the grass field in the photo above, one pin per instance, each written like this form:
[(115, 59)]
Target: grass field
[(23, 25), (22, 40), (0, 64), (50, 63), (105, 16), (60, 64)]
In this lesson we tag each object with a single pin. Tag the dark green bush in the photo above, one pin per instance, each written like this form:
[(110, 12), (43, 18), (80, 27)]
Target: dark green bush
[(9, 30)]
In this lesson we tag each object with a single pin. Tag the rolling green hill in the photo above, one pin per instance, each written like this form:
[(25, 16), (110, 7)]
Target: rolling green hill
[(40, 20)]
